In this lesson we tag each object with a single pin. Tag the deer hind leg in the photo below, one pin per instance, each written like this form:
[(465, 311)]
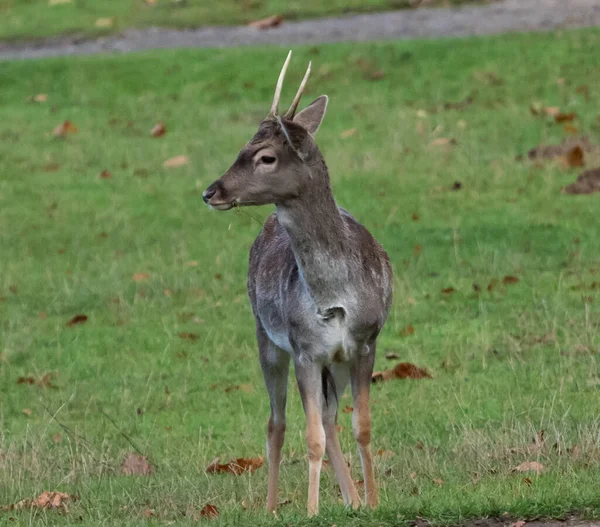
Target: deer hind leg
[(339, 376), (275, 366), (311, 392), (360, 380)]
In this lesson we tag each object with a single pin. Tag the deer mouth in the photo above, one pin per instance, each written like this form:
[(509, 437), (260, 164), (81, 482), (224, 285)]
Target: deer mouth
[(224, 205)]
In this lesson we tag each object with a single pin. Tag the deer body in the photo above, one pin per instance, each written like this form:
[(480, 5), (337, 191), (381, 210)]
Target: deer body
[(320, 287)]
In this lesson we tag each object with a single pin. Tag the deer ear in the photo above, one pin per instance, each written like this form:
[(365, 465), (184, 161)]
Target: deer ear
[(311, 117)]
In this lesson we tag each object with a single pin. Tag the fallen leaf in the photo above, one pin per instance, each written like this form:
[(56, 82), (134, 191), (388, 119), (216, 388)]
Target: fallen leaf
[(148, 513), (191, 263), (439, 482), (267, 23), (388, 453), (565, 117), (140, 277), (461, 105), (529, 466), (413, 476), (105, 22), (46, 500), (236, 467), (587, 183), (57, 438), (402, 370), (510, 280), (27, 411), (209, 511), (415, 216), (519, 523), (77, 319), (448, 290), (177, 161), (43, 382), (528, 481), (492, 285), (392, 355), (456, 186), (417, 250), (188, 336), (51, 167), (158, 130), (58, 2), (442, 141), (552, 111), (542, 152), (570, 129), (105, 174), (348, 410), (40, 97), (574, 157), (136, 465), (347, 133), (407, 330), (64, 128)]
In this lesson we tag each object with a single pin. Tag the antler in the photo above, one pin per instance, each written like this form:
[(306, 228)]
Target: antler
[(275, 105), (292, 110)]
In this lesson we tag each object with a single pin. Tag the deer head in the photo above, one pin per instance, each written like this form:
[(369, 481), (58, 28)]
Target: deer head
[(275, 166)]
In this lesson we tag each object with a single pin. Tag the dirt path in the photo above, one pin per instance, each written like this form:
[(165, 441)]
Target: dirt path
[(499, 17)]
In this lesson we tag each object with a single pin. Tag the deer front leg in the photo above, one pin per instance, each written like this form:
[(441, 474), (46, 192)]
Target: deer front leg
[(275, 366), (360, 380), (311, 392)]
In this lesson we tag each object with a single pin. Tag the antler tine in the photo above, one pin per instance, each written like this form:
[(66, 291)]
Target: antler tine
[(275, 105), (292, 111)]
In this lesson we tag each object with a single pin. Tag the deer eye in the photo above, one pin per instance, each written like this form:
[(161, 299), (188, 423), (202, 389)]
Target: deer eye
[(268, 160)]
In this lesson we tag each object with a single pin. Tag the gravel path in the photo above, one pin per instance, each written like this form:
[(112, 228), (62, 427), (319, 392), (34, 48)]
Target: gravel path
[(499, 17)]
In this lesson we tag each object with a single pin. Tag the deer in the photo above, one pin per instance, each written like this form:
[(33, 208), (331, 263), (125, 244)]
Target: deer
[(320, 287)]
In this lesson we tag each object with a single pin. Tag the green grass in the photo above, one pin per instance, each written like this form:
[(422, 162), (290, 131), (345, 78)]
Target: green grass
[(506, 363), (24, 19)]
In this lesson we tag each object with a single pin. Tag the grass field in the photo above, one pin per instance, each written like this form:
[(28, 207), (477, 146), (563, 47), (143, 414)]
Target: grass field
[(20, 19), (167, 359)]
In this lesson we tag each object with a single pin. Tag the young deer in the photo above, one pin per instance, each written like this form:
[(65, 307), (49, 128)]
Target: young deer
[(320, 287)]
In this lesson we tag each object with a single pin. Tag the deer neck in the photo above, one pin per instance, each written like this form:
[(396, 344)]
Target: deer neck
[(319, 241)]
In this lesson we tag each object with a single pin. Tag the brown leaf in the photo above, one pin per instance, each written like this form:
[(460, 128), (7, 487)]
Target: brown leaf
[(57, 438), (64, 128), (392, 355), (347, 133), (46, 500), (209, 511), (448, 290), (510, 280), (565, 117), (105, 22), (388, 453), (77, 319), (40, 97), (140, 277), (457, 185), (570, 129), (402, 370), (587, 183), (236, 467), (529, 466), (149, 513), (43, 382), (27, 411), (136, 465), (574, 157), (417, 250), (267, 23), (408, 330), (51, 167), (177, 161), (188, 336), (439, 482), (415, 216), (158, 130), (492, 285), (105, 174), (528, 481), (519, 523), (443, 141), (348, 410)]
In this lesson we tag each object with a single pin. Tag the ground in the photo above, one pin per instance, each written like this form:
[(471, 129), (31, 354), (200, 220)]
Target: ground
[(47, 18), (496, 270)]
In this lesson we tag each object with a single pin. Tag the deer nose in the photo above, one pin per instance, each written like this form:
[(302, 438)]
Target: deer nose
[(208, 193)]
